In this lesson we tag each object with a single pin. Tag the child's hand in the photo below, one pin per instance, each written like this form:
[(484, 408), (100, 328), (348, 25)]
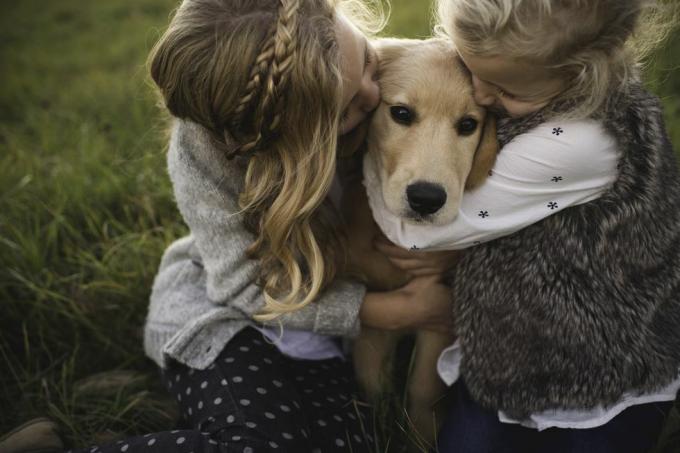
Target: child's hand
[(414, 262), (424, 303), (375, 270), (431, 304)]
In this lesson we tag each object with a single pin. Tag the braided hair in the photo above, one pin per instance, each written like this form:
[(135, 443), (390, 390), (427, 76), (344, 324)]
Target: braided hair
[(262, 77), (264, 94)]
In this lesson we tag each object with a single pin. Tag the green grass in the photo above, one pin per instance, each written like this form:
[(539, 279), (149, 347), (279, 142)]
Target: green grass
[(86, 209), (86, 212)]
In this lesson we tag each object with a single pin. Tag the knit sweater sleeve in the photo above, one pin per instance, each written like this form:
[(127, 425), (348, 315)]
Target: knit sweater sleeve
[(553, 167), (206, 187)]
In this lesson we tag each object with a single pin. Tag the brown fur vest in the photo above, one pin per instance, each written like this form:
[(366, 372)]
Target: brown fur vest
[(585, 305)]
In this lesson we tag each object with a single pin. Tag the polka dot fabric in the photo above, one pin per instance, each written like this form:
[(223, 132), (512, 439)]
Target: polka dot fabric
[(255, 399)]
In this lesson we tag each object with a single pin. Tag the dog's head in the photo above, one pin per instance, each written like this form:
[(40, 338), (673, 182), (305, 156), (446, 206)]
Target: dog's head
[(428, 141)]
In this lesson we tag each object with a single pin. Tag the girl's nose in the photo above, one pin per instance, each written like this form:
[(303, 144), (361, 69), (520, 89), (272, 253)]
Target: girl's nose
[(485, 93), (370, 95)]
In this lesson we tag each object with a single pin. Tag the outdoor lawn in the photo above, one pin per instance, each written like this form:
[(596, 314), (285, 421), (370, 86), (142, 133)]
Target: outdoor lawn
[(86, 209)]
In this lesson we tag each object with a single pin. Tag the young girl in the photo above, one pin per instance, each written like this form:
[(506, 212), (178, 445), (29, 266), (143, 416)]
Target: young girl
[(567, 306), (244, 308)]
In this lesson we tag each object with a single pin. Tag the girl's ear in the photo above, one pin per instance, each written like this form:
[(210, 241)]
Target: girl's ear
[(485, 156)]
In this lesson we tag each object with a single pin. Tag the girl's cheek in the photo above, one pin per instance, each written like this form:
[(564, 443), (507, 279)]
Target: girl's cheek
[(349, 142), (519, 109)]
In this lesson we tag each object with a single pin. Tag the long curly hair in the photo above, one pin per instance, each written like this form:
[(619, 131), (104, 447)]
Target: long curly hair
[(264, 74), (596, 44)]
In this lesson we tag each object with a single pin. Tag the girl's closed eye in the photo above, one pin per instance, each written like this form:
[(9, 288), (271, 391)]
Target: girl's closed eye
[(504, 94), (368, 59), (372, 62)]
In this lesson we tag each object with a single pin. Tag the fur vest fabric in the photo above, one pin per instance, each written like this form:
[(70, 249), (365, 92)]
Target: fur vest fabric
[(583, 306)]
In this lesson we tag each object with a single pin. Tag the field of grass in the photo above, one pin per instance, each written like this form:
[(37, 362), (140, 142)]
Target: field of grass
[(86, 209)]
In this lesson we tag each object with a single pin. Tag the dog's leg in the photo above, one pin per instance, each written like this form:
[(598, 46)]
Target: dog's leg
[(372, 354), (425, 388)]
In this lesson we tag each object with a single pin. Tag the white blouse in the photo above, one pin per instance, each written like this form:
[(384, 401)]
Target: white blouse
[(552, 167), (557, 165), (302, 344)]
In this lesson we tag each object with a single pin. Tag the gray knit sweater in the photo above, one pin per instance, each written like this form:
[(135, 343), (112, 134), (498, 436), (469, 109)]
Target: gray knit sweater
[(583, 306), (205, 290)]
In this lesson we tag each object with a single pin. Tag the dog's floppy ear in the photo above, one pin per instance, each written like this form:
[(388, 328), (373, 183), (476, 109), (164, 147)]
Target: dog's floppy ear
[(485, 156), (391, 49)]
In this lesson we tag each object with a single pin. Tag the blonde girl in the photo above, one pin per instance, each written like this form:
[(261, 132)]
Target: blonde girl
[(567, 295), (245, 309)]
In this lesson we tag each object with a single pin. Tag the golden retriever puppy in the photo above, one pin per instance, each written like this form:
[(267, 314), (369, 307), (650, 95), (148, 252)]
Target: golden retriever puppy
[(427, 142)]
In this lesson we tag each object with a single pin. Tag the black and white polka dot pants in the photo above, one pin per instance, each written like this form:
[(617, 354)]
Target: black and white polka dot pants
[(254, 399)]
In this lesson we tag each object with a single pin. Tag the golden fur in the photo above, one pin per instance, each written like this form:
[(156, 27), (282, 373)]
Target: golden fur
[(428, 77)]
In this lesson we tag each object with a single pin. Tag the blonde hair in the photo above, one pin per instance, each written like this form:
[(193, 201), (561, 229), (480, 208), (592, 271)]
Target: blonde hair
[(595, 45), (265, 73)]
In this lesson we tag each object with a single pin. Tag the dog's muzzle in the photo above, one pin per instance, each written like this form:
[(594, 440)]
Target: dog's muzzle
[(425, 198)]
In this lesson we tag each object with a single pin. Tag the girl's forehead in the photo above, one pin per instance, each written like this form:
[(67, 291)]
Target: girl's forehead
[(352, 47), (506, 72), (350, 40)]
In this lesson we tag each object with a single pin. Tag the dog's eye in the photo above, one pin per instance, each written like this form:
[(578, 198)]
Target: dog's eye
[(467, 126), (402, 115)]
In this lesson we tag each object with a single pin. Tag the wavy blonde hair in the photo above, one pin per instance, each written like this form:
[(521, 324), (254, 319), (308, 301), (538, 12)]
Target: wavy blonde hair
[(265, 74), (595, 44)]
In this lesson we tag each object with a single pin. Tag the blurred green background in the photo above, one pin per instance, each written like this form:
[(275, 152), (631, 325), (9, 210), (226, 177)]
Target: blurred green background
[(86, 208)]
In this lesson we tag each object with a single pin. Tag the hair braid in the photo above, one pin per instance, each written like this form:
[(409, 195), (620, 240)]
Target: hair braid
[(284, 56), (268, 79), (257, 74), (232, 67)]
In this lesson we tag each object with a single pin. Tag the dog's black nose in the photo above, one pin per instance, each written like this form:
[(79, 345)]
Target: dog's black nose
[(425, 198)]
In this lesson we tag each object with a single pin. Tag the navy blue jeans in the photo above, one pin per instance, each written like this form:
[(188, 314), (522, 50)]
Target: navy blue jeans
[(470, 428)]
